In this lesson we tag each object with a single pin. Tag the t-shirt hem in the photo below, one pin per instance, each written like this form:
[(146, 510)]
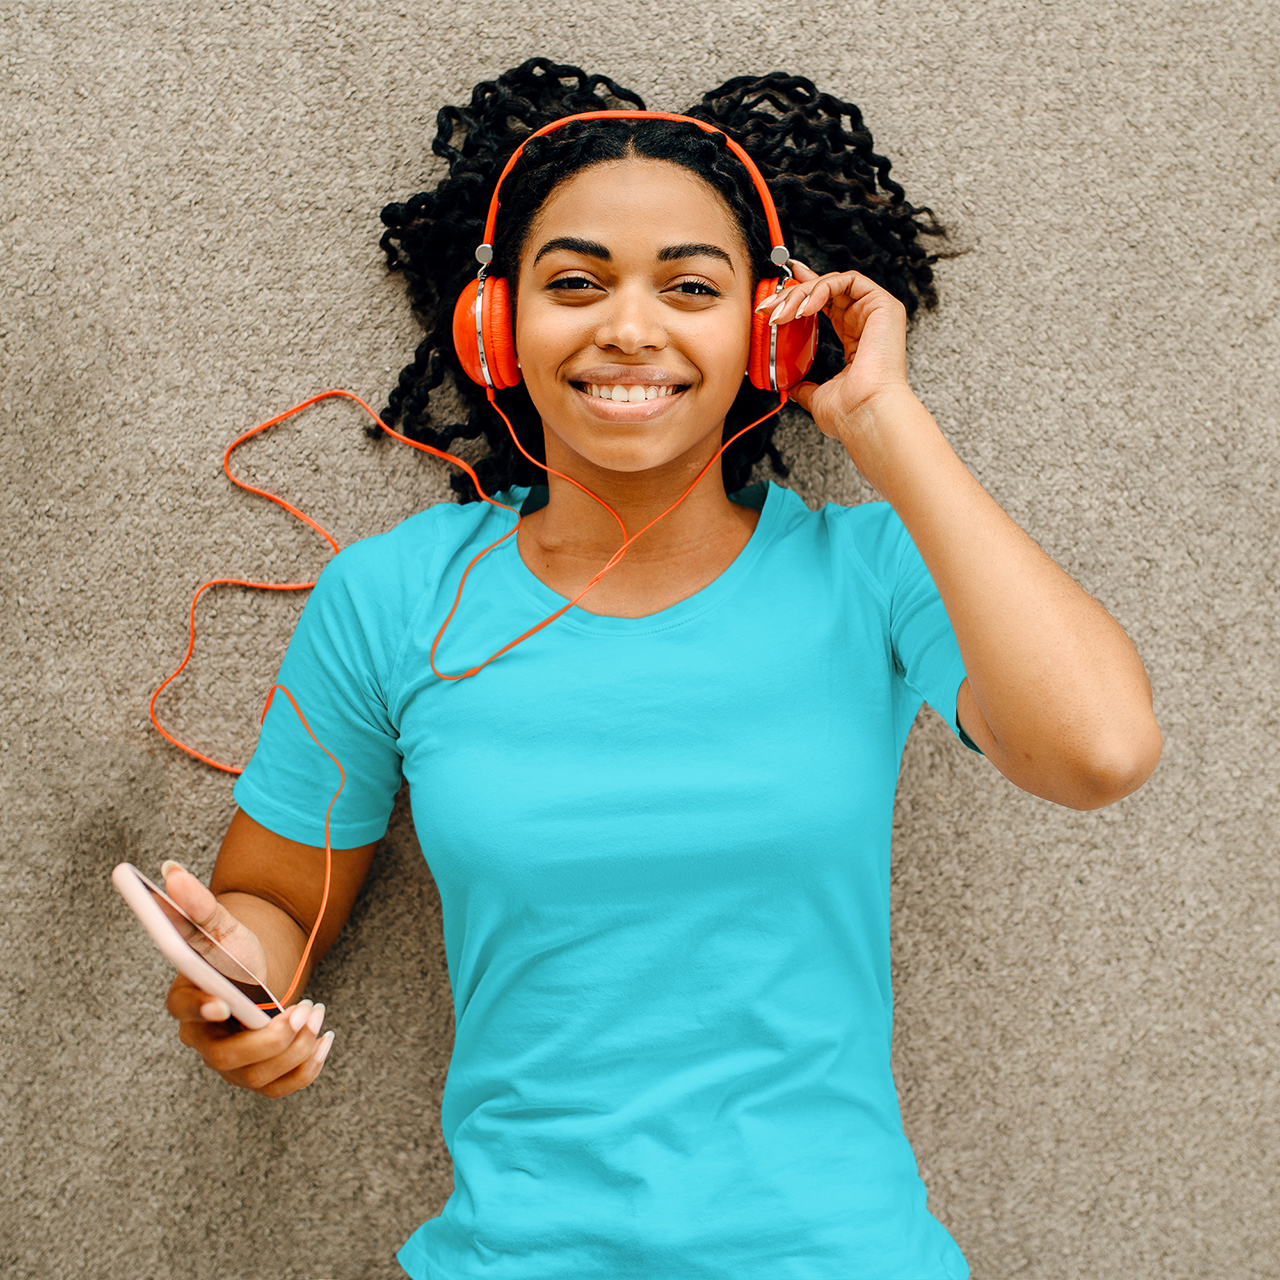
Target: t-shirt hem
[(284, 822), (955, 679), (414, 1263)]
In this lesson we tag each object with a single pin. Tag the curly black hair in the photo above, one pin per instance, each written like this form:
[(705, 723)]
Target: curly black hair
[(839, 209)]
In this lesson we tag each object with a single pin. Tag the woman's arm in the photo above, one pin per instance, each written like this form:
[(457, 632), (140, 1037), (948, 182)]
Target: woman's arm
[(1056, 695), (266, 893)]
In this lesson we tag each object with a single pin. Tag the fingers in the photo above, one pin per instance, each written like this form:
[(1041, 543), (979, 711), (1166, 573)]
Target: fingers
[(196, 900), (802, 394), (272, 1062), (816, 293), (187, 1003), (276, 1060), (802, 271), (254, 1062), (301, 1075), (290, 1033)]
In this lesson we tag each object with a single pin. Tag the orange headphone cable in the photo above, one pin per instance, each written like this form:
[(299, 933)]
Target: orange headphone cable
[(328, 847), (628, 540), (277, 586)]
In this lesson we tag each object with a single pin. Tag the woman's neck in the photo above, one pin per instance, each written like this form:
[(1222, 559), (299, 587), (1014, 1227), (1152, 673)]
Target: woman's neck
[(570, 539)]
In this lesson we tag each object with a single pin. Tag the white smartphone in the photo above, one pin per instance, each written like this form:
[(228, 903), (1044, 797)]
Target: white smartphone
[(193, 952)]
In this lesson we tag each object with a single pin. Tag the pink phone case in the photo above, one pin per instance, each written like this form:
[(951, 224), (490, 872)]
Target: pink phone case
[(141, 894)]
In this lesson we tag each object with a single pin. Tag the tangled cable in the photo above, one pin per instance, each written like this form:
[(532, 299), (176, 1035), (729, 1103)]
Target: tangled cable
[(627, 541)]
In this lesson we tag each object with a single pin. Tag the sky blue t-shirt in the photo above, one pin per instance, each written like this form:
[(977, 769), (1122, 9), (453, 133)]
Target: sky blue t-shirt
[(662, 849)]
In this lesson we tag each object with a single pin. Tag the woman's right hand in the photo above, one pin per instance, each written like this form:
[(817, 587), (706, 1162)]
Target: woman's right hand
[(274, 1061)]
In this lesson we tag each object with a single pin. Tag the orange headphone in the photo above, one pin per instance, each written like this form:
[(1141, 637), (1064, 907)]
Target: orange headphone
[(484, 337)]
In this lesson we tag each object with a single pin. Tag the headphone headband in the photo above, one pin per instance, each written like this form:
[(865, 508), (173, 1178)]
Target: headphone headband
[(778, 253)]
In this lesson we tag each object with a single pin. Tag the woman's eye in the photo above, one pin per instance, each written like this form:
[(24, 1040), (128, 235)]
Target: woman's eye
[(698, 288), (687, 288)]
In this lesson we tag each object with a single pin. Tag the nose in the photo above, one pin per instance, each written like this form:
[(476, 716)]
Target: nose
[(632, 321)]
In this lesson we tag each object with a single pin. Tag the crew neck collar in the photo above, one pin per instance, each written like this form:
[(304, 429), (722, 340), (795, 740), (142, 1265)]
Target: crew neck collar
[(764, 497)]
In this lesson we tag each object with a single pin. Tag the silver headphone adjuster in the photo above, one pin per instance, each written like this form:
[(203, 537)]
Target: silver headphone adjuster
[(479, 310)]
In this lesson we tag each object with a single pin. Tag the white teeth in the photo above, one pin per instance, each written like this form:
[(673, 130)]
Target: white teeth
[(628, 395)]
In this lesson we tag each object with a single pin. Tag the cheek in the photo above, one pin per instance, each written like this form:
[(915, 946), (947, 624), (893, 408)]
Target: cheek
[(542, 349), (546, 337), (725, 351), (725, 341)]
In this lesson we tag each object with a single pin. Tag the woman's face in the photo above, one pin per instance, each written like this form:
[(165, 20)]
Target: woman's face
[(633, 316)]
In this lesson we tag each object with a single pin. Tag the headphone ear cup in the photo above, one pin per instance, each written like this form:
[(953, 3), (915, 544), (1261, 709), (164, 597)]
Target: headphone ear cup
[(796, 348), (758, 360), (500, 334), (495, 325), (464, 333)]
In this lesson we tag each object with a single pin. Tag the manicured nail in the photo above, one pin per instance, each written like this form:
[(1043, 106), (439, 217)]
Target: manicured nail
[(322, 1049), (803, 308), (316, 1021), (215, 1011), (768, 302), (299, 1014)]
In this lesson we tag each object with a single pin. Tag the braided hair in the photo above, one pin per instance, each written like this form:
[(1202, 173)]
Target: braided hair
[(839, 208)]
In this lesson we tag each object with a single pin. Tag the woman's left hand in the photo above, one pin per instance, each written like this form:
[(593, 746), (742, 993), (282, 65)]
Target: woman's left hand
[(871, 324)]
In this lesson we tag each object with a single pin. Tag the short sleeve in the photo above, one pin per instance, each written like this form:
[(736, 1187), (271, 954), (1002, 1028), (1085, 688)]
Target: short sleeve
[(924, 643), (336, 668)]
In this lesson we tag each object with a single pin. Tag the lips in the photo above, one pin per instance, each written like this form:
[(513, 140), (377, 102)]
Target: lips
[(651, 403), (623, 393), (616, 392)]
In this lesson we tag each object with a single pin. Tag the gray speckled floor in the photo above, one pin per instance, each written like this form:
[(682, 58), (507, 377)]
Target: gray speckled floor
[(1087, 1003)]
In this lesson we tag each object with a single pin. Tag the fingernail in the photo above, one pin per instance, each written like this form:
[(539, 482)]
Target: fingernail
[(169, 865), (215, 1011), (802, 308), (299, 1014), (316, 1021), (322, 1049)]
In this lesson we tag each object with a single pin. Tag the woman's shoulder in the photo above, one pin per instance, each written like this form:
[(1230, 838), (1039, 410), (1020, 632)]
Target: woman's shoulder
[(867, 524), (442, 528), (398, 564), (867, 538)]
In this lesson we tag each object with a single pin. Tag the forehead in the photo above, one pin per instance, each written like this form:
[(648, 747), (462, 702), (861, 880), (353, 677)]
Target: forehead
[(637, 205)]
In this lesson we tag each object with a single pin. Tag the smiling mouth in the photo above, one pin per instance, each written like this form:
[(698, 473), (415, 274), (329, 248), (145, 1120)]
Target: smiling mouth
[(634, 394)]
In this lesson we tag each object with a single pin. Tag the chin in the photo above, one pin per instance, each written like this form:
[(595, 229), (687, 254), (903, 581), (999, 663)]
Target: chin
[(626, 462), (631, 449)]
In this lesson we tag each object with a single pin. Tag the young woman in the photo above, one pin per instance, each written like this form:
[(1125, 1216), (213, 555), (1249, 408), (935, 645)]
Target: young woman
[(660, 825)]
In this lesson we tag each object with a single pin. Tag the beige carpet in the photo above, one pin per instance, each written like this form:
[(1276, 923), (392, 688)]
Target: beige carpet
[(1087, 1004)]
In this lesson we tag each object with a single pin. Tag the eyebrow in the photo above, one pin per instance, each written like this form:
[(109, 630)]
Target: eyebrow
[(672, 253)]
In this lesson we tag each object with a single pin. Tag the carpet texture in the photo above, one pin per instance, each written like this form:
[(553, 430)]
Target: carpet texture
[(1088, 1006)]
